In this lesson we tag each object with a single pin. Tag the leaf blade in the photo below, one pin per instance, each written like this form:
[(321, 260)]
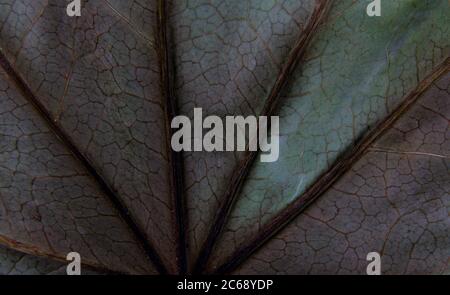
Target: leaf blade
[(394, 201), (227, 56), (101, 85), (322, 113), (49, 204)]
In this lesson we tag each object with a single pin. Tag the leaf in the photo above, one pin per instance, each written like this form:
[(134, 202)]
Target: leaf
[(395, 201), (228, 54), (332, 101), (97, 79), (49, 203), (86, 163), (17, 263)]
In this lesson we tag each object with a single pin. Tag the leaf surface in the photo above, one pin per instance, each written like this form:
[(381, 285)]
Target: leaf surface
[(50, 206), (227, 56), (86, 163), (98, 78), (18, 263), (395, 200)]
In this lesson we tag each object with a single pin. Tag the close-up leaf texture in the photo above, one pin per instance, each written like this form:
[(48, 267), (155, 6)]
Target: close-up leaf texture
[(86, 163)]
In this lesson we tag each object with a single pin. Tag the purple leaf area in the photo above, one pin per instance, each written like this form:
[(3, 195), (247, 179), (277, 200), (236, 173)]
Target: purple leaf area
[(86, 163)]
